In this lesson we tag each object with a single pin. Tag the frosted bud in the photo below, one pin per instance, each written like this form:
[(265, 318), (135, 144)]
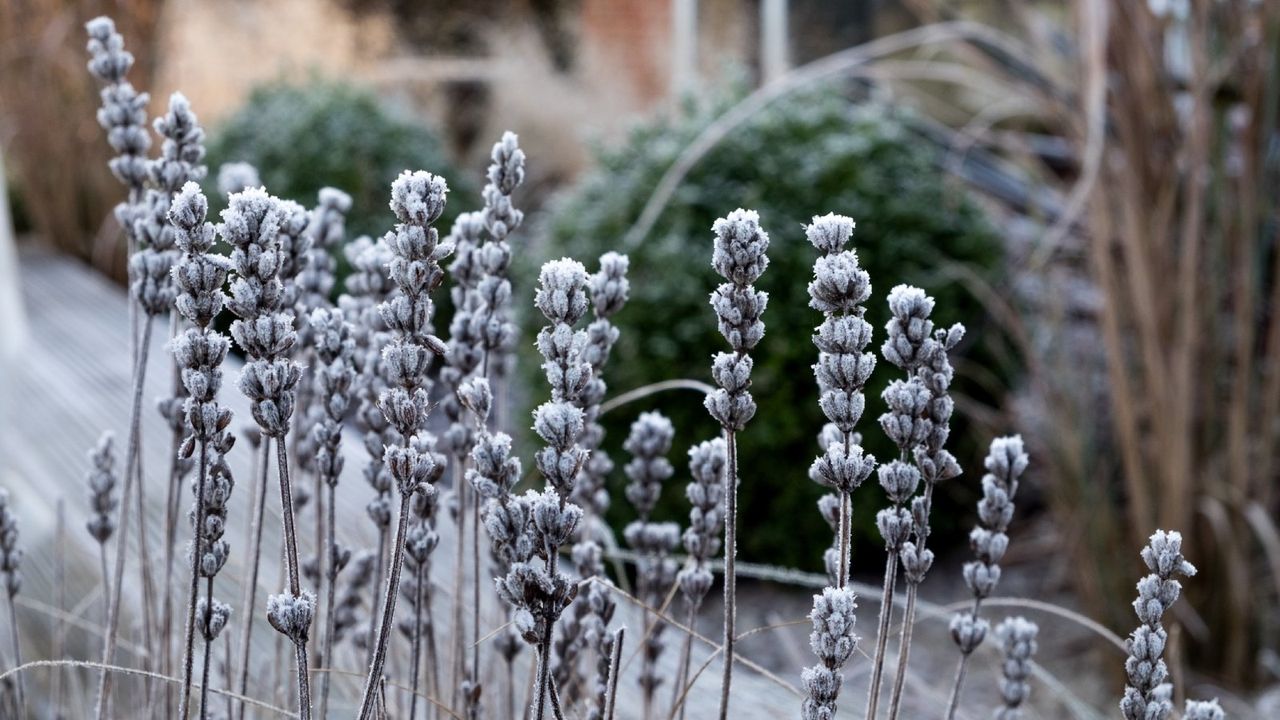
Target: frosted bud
[(739, 249), (829, 233), (418, 198), (210, 622), (968, 632), (561, 295), (291, 615)]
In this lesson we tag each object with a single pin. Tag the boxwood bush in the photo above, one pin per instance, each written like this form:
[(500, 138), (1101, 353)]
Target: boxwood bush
[(808, 154), (302, 137)]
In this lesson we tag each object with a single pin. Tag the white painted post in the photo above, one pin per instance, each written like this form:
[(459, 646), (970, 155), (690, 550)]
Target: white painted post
[(775, 53), (684, 47)]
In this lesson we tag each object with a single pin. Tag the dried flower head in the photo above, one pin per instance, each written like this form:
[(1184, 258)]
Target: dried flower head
[(102, 487), (1148, 696), (10, 550), (833, 641), (1018, 637), (236, 177)]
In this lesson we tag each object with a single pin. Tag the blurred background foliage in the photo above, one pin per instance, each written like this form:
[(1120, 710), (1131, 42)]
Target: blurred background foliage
[(303, 137), (811, 153)]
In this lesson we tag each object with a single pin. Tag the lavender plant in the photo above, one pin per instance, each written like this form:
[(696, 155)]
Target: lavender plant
[(419, 624), (251, 225), (368, 287), (540, 593), (336, 351), (838, 290), (211, 550), (907, 346), (649, 442), (935, 464), (705, 491), (494, 475), (1005, 463), (11, 574), (739, 257), (103, 504), (1018, 637), (123, 116), (199, 351), (417, 199), (833, 641), (1149, 695), (291, 256), (586, 625)]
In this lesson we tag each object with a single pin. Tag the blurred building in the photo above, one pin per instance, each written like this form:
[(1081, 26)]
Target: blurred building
[(560, 72)]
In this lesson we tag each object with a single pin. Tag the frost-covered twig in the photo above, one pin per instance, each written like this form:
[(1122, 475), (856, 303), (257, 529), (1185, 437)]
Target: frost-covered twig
[(739, 257), (208, 545), (1005, 463)]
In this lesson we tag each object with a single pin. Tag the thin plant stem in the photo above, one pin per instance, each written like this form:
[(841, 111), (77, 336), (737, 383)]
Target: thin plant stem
[(171, 509), (904, 650), (17, 655), (326, 654), (511, 688), (475, 589), (257, 502), (615, 666), (144, 554), (954, 702), (433, 658), (295, 582), (184, 700), (208, 647), (373, 602), (730, 555), (388, 611), (106, 583), (416, 655), (686, 657), (544, 670), (882, 634), (908, 623), (555, 699), (131, 455), (459, 625), (60, 592), (226, 646)]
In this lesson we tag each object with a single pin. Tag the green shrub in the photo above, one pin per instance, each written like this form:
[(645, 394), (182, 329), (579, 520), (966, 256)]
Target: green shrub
[(304, 137), (806, 155)]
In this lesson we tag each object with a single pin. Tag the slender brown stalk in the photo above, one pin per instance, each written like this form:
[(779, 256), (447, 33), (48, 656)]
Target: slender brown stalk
[(188, 661), (388, 611), (882, 633), (730, 556), (208, 655), (257, 504), (686, 657), (113, 612), (326, 654), (295, 581), (615, 666), (17, 654), (416, 654), (459, 651), (904, 650)]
